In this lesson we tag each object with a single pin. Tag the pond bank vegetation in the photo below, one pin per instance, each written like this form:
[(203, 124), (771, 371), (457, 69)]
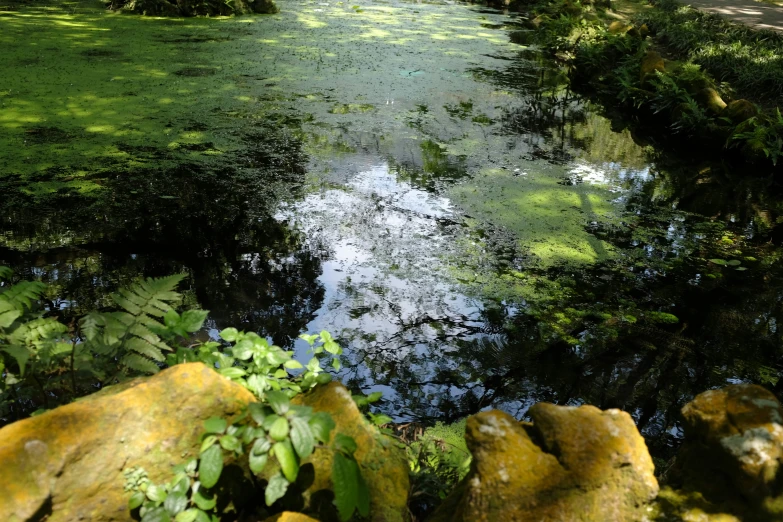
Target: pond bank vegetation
[(707, 81)]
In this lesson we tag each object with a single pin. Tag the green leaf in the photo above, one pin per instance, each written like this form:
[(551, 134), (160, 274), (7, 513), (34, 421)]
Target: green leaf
[(156, 493), (269, 421), (276, 488), (293, 364), (215, 425), (345, 443), (257, 462), (289, 464), (310, 339), (189, 515), (229, 334), (279, 429), (336, 364), (324, 378), (207, 442), (260, 447), (175, 503), (8, 314), (193, 320), (279, 401), (302, 437), (204, 502), (20, 354), (374, 397), (136, 500), (734, 262), (158, 514), (322, 425), (232, 372), (211, 466), (718, 261), (363, 496), (230, 443), (345, 477), (333, 348), (380, 419), (243, 350), (257, 412), (180, 484)]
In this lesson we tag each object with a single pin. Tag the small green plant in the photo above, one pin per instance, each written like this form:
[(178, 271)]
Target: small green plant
[(438, 459), (271, 430)]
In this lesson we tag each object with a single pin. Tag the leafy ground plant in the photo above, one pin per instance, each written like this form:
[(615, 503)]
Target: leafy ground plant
[(271, 430)]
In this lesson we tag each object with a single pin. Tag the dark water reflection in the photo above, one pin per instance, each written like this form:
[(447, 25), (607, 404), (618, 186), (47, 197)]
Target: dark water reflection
[(361, 232)]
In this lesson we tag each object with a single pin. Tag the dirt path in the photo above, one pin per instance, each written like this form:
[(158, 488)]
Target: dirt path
[(754, 14)]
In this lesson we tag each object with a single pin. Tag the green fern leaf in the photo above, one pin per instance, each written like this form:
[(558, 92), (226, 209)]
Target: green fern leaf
[(5, 273), (142, 347), (22, 294), (139, 363)]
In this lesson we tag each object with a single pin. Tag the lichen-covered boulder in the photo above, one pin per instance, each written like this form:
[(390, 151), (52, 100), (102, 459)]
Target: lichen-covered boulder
[(618, 27), (570, 464), (382, 463), (733, 451), (740, 110), (67, 464), (710, 98), (652, 62)]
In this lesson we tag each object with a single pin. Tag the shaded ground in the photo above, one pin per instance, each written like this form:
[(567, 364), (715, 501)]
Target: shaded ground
[(754, 14)]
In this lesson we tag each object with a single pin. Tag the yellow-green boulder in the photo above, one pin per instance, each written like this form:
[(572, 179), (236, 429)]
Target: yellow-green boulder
[(66, 465), (570, 464), (652, 62), (732, 457), (382, 463)]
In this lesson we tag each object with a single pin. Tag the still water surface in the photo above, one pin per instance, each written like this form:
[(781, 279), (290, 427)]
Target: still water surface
[(402, 175)]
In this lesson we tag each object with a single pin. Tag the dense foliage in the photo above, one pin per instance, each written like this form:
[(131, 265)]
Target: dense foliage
[(620, 62)]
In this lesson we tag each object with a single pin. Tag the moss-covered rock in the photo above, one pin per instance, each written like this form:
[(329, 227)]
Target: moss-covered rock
[(740, 110), (383, 464), (710, 98), (732, 457), (67, 463), (652, 62), (618, 27), (575, 464)]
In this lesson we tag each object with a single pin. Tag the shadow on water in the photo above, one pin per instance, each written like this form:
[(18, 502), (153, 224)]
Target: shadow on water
[(212, 223), (475, 234)]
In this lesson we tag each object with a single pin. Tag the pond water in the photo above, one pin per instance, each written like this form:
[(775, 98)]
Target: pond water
[(402, 175)]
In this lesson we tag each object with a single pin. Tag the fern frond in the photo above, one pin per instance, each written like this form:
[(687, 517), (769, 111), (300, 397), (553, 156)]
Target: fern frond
[(152, 297), (139, 363), (22, 294), (5, 273), (37, 330), (145, 348)]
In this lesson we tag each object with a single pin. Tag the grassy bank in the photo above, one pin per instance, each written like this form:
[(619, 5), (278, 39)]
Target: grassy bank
[(705, 81)]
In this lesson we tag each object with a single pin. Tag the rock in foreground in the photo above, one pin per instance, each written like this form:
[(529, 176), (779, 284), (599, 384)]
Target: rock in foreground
[(570, 464), (732, 457), (383, 464), (67, 463)]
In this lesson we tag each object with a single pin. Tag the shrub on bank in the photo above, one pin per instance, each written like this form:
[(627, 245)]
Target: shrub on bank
[(619, 61)]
